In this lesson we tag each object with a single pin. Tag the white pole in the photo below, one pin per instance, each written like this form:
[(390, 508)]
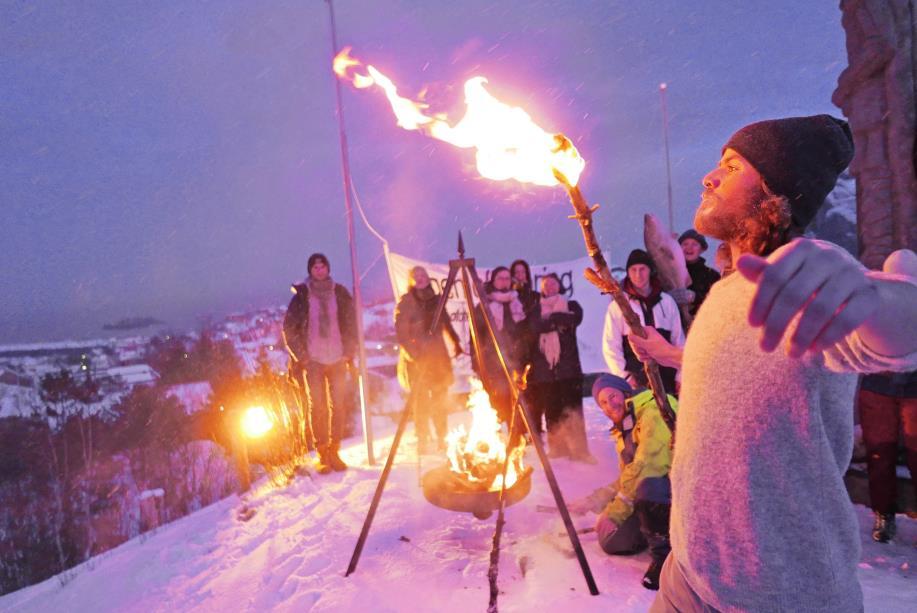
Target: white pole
[(668, 166), (354, 268)]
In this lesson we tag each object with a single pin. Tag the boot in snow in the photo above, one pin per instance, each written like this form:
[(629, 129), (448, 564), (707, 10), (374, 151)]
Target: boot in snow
[(884, 529), (323, 460), (574, 429), (557, 443), (651, 578), (654, 523), (334, 457)]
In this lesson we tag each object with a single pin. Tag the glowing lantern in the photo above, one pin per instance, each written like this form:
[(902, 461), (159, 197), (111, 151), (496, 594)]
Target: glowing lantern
[(256, 422)]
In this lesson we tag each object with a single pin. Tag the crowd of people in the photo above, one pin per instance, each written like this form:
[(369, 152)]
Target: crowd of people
[(753, 488)]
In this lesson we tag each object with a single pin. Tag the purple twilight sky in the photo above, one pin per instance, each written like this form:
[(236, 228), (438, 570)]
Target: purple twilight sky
[(173, 159)]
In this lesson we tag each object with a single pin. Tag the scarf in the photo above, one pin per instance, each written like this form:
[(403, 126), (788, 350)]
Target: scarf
[(646, 302), (498, 300), (324, 291), (549, 342)]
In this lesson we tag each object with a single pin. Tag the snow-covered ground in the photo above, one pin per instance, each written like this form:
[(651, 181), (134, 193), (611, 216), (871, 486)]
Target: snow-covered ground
[(292, 553)]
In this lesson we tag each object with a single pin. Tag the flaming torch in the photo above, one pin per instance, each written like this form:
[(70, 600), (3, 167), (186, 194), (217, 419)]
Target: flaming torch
[(600, 276), (510, 145)]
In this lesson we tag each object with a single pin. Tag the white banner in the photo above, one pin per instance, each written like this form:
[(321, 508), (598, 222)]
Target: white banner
[(574, 286)]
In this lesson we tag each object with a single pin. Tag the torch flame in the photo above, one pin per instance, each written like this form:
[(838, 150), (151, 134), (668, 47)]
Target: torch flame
[(478, 453), (508, 144)]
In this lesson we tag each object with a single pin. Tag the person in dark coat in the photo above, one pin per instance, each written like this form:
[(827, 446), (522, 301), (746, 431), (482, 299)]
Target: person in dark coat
[(693, 244), (319, 330), (555, 388), (424, 365), (510, 327), (521, 274), (522, 282)]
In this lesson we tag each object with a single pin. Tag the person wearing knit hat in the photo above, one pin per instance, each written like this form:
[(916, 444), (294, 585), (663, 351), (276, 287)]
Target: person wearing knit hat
[(605, 380), (319, 330), (756, 420), (693, 244), (632, 513), (639, 256), (696, 236), (654, 308), (798, 158)]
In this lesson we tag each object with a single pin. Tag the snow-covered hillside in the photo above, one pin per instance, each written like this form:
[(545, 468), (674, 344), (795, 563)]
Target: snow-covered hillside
[(292, 553)]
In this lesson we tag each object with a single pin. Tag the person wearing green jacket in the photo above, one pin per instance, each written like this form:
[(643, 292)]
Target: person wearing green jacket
[(633, 512)]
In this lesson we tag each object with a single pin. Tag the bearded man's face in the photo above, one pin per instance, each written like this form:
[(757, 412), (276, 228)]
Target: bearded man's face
[(732, 190)]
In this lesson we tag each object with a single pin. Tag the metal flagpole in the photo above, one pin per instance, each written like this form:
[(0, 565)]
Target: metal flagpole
[(351, 237), (668, 166)]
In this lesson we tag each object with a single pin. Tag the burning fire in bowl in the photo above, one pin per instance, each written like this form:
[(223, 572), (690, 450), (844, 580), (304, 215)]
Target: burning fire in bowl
[(473, 478)]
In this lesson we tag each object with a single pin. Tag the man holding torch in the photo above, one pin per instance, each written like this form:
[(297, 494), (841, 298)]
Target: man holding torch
[(761, 519)]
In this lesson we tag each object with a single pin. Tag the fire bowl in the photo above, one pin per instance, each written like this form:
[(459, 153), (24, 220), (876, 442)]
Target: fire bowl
[(451, 491)]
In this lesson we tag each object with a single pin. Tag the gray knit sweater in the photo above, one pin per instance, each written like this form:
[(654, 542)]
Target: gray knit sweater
[(761, 520)]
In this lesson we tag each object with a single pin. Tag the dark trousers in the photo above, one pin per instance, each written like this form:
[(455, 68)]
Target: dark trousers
[(427, 398), (552, 401), (648, 526), (327, 385), (882, 418), (626, 540)]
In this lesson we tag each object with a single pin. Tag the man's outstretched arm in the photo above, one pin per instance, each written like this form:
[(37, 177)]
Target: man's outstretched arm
[(835, 296)]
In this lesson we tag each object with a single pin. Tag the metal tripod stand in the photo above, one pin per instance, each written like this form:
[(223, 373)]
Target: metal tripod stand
[(471, 282)]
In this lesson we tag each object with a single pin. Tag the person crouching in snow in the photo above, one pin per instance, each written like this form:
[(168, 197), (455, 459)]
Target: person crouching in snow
[(633, 512)]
